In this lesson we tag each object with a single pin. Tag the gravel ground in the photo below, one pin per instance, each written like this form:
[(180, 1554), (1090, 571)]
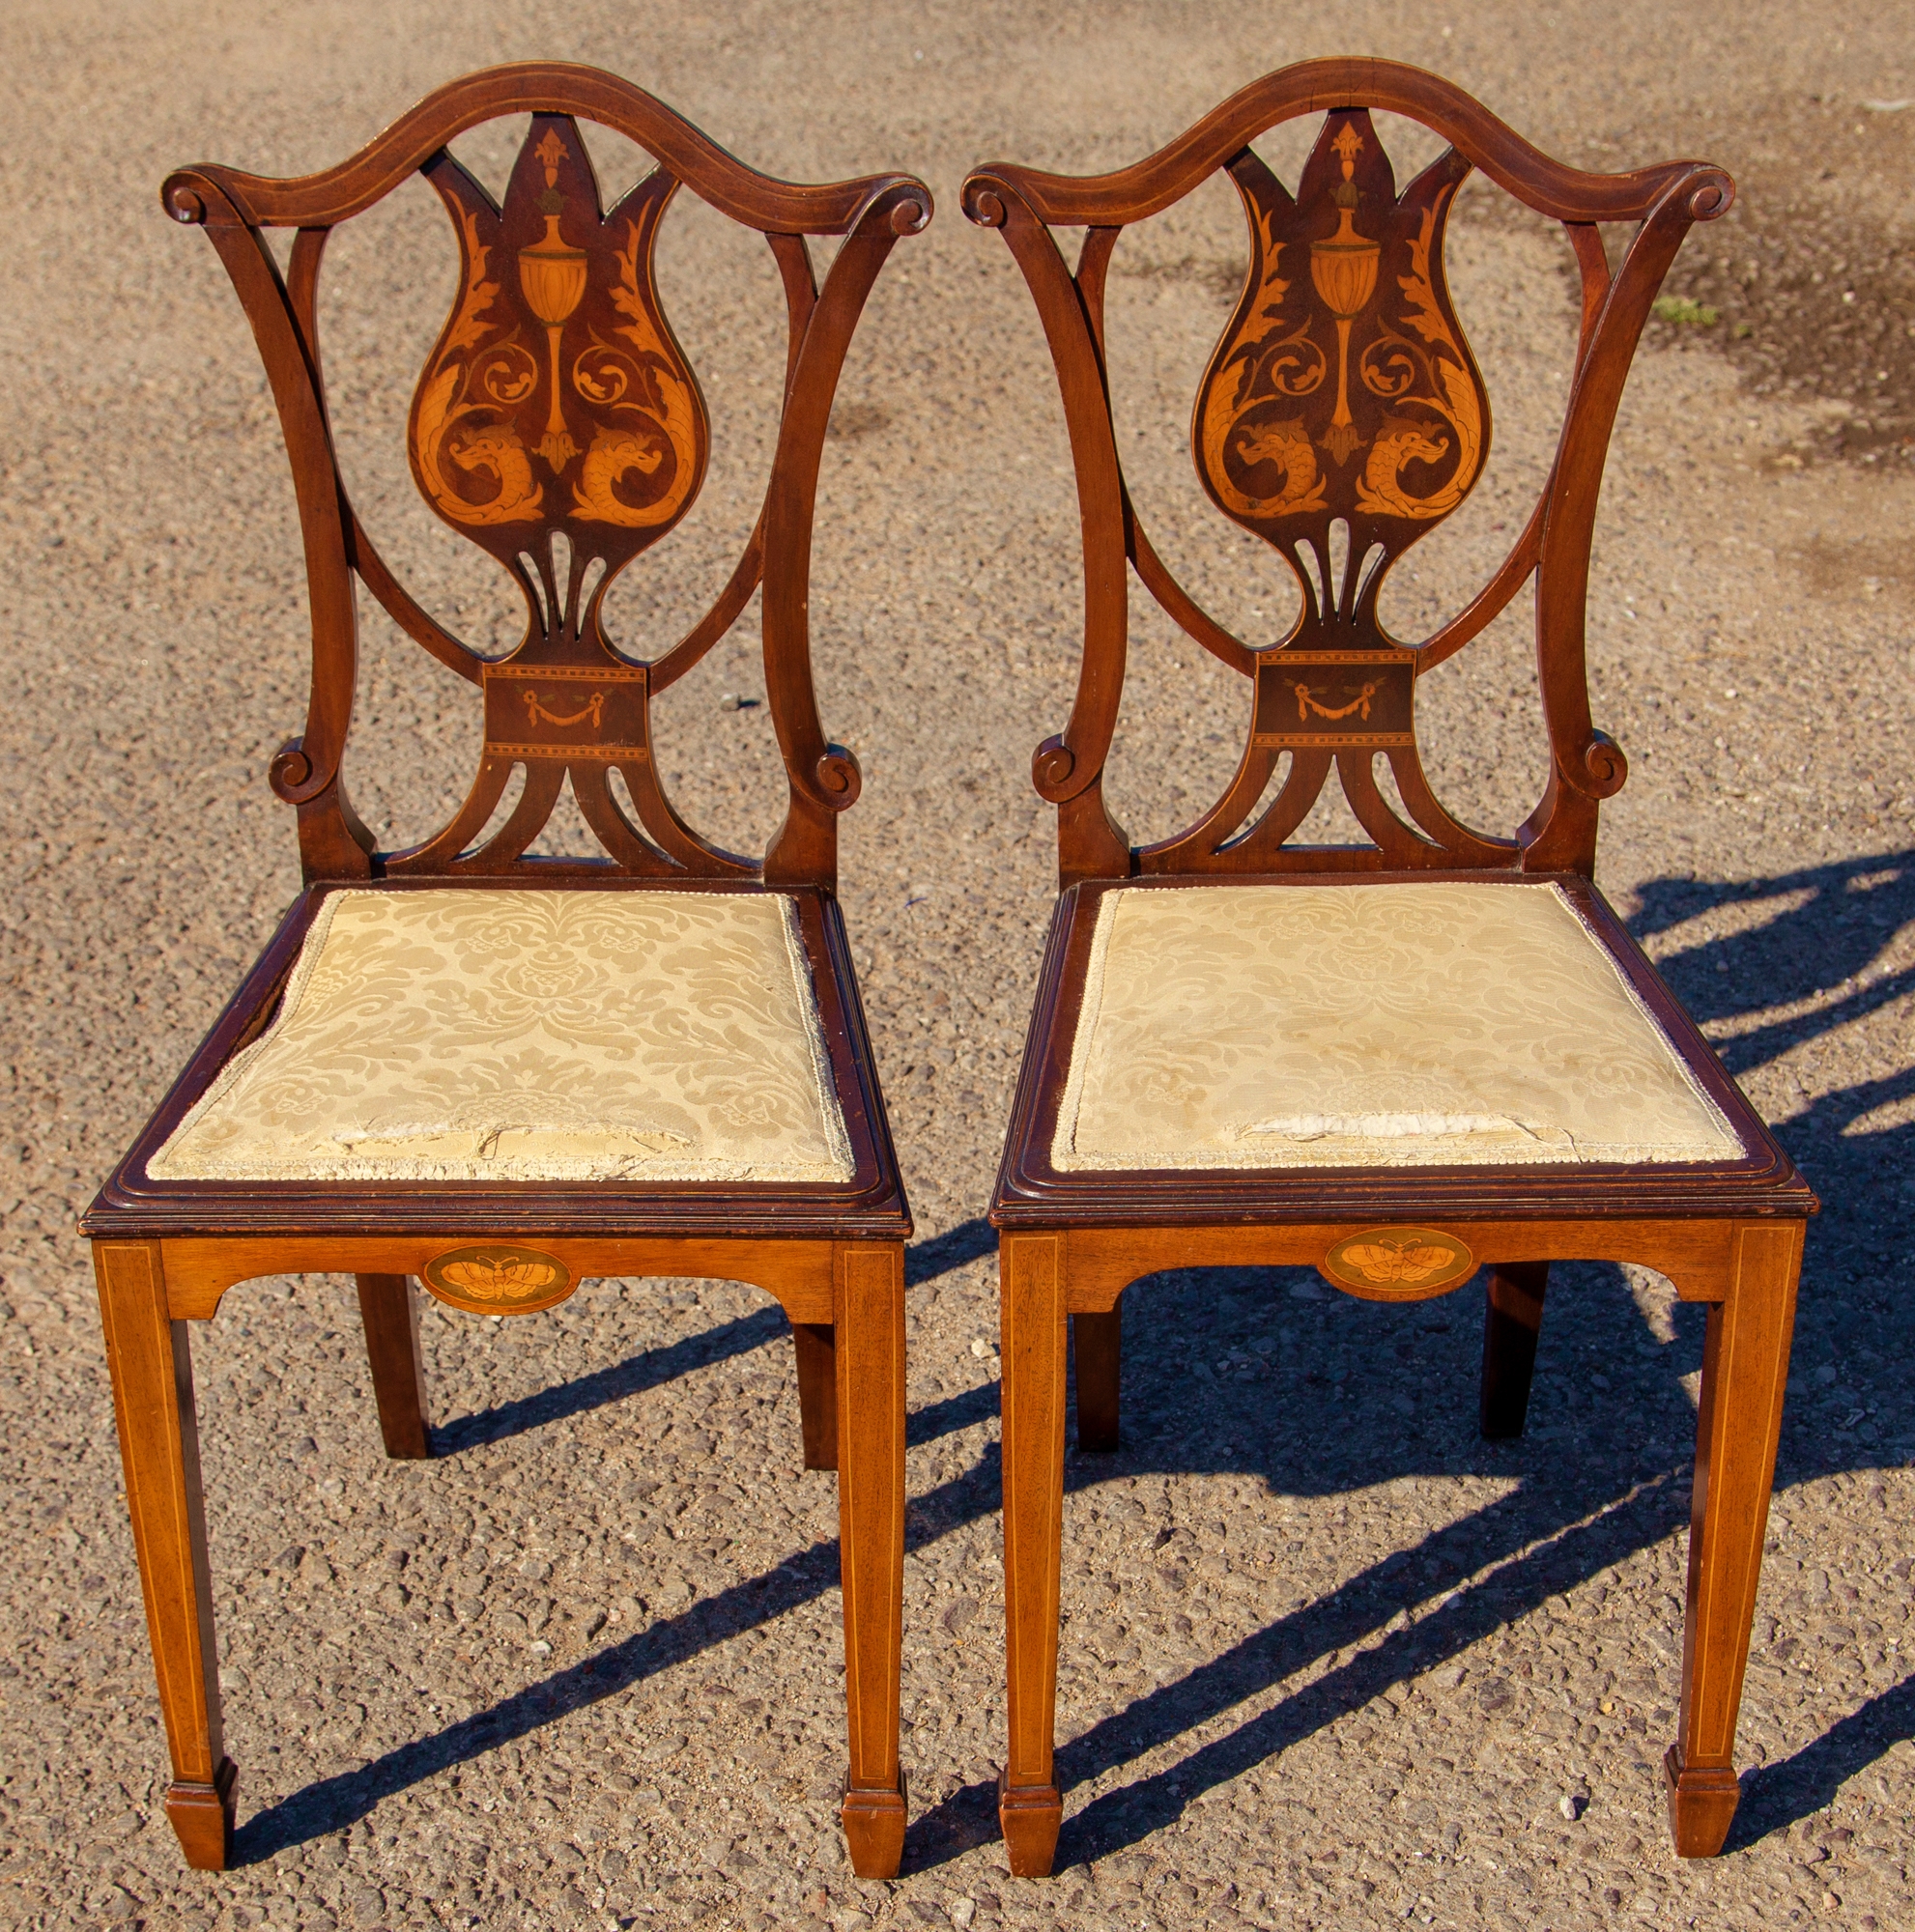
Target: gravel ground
[(1328, 1661)]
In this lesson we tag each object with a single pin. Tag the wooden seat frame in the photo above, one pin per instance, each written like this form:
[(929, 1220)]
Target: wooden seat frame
[(1728, 1234), (832, 1254)]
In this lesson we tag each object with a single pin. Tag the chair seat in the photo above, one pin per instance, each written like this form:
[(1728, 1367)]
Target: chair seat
[(1395, 1024), (515, 1036)]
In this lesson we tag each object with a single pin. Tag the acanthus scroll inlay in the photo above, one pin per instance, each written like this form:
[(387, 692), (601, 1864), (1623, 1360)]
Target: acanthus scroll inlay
[(557, 397), (1347, 391), (663, 398), (457, 414)]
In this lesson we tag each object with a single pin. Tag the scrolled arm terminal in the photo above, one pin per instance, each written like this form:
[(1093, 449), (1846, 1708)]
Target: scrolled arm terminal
[(1052, 767), (982, 205), (839, 777), (291, 773), (1712, 198), (1604, 765)]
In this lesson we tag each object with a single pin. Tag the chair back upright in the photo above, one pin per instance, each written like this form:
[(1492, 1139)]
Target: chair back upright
[(556, 424), (1341, 419)]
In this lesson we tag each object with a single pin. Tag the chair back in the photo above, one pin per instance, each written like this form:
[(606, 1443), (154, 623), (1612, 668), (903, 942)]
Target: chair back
[(1341, 419), (558, 424)]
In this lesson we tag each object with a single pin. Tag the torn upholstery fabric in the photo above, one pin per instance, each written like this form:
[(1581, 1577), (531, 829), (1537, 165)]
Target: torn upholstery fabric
[(1431, 1024)]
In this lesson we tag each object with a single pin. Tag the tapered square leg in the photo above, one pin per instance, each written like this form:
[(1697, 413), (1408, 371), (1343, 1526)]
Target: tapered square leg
[(389, 1309), (817, 1392), (1096, 1348), (1745, 1365), (153, 1404), (1032, 1305), (1513, 1321), (870, 1384)]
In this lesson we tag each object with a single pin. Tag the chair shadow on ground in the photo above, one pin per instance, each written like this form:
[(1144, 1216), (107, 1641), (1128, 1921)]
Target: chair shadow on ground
[(1813, 964), (924, 1260), (335, 1803), (622, 1380)]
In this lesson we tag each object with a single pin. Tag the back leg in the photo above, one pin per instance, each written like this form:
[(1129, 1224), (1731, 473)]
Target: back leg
[(817, 1344), (391, 1311), (1097, 1346), (1510, 1326)]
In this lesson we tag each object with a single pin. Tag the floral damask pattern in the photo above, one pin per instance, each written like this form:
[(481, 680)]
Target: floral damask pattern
[(531, 1036), (1332, 1025)]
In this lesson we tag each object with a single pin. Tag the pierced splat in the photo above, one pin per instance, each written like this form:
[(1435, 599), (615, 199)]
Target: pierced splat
[(558, 425), (557, 404), (1342, 401), (555, 398)]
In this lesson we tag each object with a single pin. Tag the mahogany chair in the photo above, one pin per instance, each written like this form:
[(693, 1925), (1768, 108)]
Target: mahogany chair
[(496, 1072), (1404, 1062)]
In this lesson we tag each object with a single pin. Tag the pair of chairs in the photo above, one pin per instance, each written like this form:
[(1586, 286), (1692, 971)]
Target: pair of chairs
[(497, 1073)]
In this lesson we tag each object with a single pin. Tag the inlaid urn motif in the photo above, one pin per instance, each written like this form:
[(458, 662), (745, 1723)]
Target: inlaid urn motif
[(1344, 271), (555, 395), (552, 278), (1394, 435)]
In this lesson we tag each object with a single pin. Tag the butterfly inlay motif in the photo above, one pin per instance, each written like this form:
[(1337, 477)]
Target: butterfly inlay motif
[(505, 1280), (1390, 1264)]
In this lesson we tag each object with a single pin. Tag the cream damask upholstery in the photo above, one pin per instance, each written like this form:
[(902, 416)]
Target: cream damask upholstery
[(484, 1035), (1334, 1026)]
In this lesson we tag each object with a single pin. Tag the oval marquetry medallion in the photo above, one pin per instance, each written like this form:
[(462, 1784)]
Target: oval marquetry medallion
[(1399, 1263), (498, 1279)]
